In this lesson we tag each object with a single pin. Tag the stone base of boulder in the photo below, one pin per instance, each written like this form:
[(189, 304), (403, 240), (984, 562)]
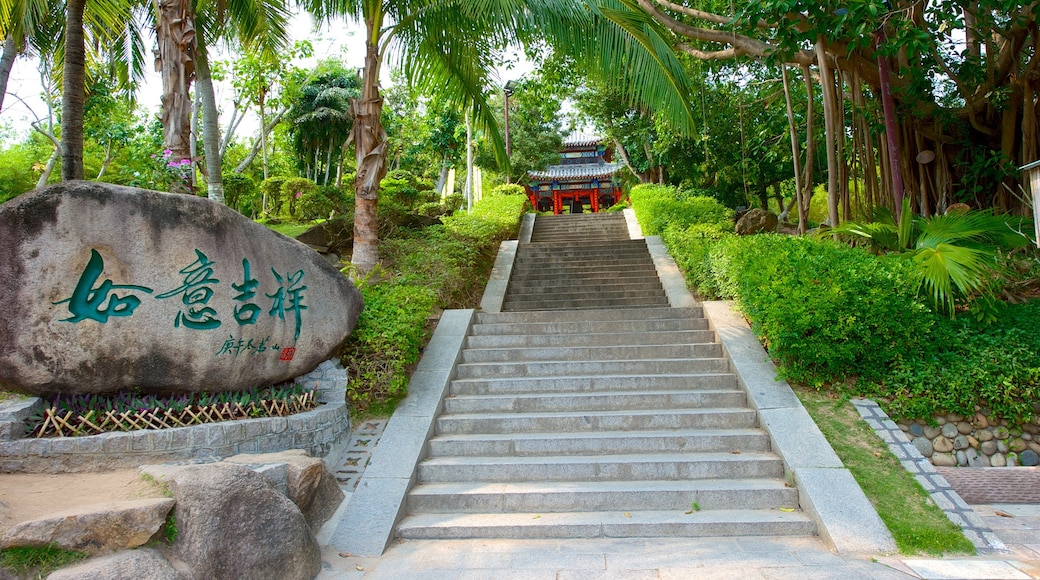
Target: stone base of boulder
[(318, 432)]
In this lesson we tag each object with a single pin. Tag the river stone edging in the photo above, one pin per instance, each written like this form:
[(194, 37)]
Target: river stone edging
[(315, 431), (975, 441), (944, 496)]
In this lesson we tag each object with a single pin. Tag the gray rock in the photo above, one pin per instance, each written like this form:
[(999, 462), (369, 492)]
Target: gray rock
[(988, 447), (965, 428), (944, 460), (309, 484), (984, 435), (942, 445), (1017, 445), (757, 221), (998, 460), (976, 459), (962, 459), (232, 524), (1002, 446), (109, 287), (960, 442), (125, 565), (1029, 458), (916, 429), (954, 417), (1001, 432), (931, 432), (924, 446), (949, 430), (94, 529)]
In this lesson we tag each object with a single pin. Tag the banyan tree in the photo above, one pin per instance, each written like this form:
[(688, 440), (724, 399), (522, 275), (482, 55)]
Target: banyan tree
[(937, 100)]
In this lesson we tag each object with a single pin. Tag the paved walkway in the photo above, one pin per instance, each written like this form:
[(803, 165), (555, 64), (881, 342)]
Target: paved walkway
[(1011, 550)]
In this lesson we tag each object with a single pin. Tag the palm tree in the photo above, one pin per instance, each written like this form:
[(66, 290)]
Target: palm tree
[(450, 47), (72, 101), (257, 26)]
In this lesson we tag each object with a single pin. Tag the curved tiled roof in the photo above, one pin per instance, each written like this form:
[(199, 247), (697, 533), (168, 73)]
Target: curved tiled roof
[(577, 171), (581, 140)]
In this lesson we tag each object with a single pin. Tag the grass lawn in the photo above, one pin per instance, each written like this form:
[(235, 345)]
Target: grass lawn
[(916, 523), (292, 229)]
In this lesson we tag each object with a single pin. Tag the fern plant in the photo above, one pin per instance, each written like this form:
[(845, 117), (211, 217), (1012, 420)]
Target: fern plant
[(955, 253)]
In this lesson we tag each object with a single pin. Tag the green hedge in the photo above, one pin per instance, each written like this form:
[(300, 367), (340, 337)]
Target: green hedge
[(658, 206), (824, 310)]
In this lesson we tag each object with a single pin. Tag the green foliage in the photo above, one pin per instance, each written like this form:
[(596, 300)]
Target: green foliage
[(438, 266), (272, 189), (387, 340), (954, 254), (690, 246), (16, 173), (321, 202), (966, 363), (241, 194), (495, 218), (658, 207), (37, 561), (509, 189), (170, 530), (824, 310), (293, 190)]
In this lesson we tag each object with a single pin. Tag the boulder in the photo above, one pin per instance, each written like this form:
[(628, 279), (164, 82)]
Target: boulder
[(126, 565), (111, 287), (232, 524), (335, 235), (94, 529), (309, 484), (756, 221)]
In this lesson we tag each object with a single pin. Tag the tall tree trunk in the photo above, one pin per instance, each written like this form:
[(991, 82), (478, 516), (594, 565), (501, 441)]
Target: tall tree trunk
[(210, 128), (73, 93), (469, 162), (830, 130), (175, 31), (255, 149), (888, 105), (370, 153), (796, 156), (55, 155), (810, 140), (6, 63)]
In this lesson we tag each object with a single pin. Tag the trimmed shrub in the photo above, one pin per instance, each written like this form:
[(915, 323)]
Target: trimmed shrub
[(496, 218), (321, 202), (272, 188), (241, 194), (509, 189), (294, 189), (660, 206), (825, 311)]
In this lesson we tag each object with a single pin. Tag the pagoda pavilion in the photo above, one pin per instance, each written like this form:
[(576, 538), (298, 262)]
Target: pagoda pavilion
[(585, 176)]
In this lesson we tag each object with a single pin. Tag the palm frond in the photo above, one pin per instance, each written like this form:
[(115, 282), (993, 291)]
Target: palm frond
[(944, 267)]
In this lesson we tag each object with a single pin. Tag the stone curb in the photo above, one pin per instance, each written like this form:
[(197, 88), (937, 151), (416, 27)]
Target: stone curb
[(317, 431), (944, 496), (378, 503), (827, 491)]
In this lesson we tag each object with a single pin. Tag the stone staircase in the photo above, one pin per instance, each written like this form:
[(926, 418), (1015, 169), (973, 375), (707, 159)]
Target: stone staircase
[(597, 422), (582, 261)]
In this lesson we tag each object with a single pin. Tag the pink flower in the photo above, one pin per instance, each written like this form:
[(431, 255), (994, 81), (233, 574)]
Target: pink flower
[(299, 194)]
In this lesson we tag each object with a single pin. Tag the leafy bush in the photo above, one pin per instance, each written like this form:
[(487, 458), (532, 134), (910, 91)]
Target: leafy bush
[(995, 366), (689, 247), (241, 194), (16, 173), (294, 189), (824, 310), (496, 217), (659, 206), (509, 189), (272, 188), (321, 202), (387, 340)]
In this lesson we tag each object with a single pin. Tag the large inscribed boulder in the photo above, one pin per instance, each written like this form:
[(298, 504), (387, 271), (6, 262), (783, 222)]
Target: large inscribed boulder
[(109, 287)]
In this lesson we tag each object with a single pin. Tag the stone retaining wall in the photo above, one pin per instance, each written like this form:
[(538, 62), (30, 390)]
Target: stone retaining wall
[(315, 431), (974, 441)]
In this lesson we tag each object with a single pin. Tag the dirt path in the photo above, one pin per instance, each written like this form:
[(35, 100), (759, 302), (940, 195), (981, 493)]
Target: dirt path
[(29, 496)]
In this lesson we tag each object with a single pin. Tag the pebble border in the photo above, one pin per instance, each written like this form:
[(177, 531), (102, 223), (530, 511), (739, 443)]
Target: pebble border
[(944, 496), (316, 431)]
